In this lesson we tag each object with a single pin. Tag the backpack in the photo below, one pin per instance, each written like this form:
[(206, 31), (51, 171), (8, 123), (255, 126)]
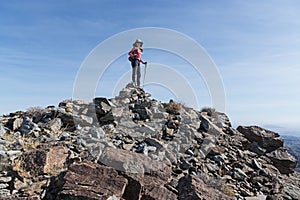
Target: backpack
[(132, 58)]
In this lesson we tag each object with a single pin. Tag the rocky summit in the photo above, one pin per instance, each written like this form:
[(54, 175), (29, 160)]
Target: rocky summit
[(133, 147)]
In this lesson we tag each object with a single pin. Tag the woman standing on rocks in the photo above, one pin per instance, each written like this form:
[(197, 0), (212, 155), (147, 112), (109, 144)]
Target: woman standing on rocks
[(135, 57)]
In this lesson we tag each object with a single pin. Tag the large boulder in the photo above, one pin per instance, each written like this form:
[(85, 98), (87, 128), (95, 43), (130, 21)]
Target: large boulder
[(134, 163), (27, 126), (91, 181), (67, 120), (284, 161), (267, 139), (147, 187), (51, 160), (193, 188), (103, 110), (153, 188)]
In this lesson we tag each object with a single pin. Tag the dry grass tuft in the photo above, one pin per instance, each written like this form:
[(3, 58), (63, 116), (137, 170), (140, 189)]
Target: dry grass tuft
[(35, 111), (173, 107)]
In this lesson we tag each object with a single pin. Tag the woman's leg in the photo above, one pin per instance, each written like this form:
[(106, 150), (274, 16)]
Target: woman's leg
[(134, 65), (138, 74), (133, 74)]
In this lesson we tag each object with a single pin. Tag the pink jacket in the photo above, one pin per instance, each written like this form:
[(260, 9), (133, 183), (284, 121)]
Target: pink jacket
[(136, 53)]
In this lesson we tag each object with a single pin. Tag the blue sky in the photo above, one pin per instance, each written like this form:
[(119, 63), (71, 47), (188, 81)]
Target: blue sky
[(255, 45)]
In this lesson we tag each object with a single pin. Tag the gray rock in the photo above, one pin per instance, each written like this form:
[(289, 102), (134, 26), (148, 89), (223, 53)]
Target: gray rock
[(205, 124), (145, 130), (55, 125), (239, 174), (3, 185), (2, 142), (2, 130), (5, 179), (254, 147), (160, 115), (258, 197), (12, 154), (256, 164), (124, 94), (96, 150), (127, 124), (27, 126), (171, 156), (5, 193), (128, 147), (221, 120), (148, 149), (135, 134), (153, 142), (212, 167), (133, 167), (189, 152), (2, 148), (281, 159), (88, 120), (184, 164), (117, 157), (65, 136), (113, 198), (292, 191), (117, 111), (97, 132), (17, 123), (102, 105), (218, 158), (143, 113)]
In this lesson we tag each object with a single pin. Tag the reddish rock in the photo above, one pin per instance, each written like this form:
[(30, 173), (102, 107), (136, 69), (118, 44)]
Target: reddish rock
[(193, 188), (146, 177), (265, 138), (282, 160), (50, 160), (153, 188), (56, 160), (89, 181), (147, 187)]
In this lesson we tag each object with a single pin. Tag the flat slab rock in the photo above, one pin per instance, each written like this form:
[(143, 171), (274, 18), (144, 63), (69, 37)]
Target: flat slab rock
[(134, 163), (92, 181), (193, 188), (265, 138), (281, 159), (147, 187), (46, 160)]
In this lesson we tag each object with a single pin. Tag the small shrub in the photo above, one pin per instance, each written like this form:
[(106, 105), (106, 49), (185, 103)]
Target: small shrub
[(173, 107), (208, 110), (35, 111)]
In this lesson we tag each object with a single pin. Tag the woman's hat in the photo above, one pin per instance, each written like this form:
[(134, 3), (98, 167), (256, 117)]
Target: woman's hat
[(138, 41)]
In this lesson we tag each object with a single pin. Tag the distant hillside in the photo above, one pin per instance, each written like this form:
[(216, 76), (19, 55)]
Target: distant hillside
[(292, 143)]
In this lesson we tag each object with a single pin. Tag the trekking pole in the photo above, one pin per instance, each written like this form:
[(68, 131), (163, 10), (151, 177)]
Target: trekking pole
[(144, 74)]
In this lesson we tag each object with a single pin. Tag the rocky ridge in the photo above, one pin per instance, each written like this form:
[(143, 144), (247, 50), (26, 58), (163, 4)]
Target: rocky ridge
[(134, 147)]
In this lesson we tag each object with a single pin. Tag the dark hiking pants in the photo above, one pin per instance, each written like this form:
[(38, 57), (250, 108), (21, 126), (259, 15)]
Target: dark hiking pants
[(136, 71)]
